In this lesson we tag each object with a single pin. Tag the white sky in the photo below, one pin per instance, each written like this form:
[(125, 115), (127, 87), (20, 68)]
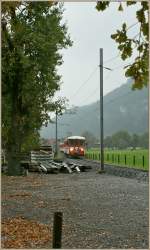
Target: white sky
[(90, 30)]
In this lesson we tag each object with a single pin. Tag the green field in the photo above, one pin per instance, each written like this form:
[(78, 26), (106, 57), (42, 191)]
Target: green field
[(130, 158)]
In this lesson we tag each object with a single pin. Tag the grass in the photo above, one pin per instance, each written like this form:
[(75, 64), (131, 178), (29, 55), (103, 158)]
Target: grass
[(130, 158)]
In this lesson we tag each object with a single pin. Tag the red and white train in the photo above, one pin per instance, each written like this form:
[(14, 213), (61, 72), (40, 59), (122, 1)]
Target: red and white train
[(73, 146)]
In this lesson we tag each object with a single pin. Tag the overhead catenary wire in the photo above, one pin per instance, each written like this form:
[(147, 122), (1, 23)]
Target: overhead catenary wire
[(83, 84), (109, 73), (95, 69), (132, 25), (108, 102), (122, 66), (86, 112), (112, 58), (114, 100), (96, 89), (118, 55)]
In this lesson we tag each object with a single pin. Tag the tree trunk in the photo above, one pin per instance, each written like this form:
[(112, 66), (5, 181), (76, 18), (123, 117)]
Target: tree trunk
[(14, 154), (14, 150), (15, 134), (14, 168)]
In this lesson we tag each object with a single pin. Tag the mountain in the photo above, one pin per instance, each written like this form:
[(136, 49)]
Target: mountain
[(124, 109)]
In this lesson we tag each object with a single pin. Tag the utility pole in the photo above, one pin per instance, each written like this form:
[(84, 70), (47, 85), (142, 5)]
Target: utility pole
[(56, 145), (101, 113)]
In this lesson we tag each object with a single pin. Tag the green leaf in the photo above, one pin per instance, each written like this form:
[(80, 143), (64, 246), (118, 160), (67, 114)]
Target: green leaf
[(120, 7), (32, 40), (139, 43), (140, 16), (101, 6), (130, 2), (124, 26), (114, 36), (145, 29)]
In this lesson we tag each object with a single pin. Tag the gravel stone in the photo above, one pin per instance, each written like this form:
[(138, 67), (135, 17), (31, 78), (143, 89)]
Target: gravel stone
[(99, 210)]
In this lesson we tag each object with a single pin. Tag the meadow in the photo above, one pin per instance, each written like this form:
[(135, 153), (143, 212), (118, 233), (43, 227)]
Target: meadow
[(130, 158)]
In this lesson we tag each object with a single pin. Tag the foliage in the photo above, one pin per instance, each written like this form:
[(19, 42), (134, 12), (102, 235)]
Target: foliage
[(31, 142), (135, 140), (18, 233), (90, 138), (123, 140), (32, 37), (108, 142), (144, 140), (138, 70)]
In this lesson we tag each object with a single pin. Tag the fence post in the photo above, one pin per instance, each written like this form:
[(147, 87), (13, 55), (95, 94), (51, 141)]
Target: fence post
[(125, 159), (99, 157), (134, 160), (57, 230), (112, 158), (118, 159), (143, 160)]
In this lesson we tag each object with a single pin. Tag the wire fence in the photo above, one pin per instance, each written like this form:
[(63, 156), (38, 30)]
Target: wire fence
[(139, 161)]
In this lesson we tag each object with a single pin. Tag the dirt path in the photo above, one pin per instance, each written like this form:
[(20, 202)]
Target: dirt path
[(99, 211)]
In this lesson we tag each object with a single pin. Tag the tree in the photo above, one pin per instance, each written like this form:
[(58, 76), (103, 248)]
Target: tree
[(144, 140), (90, 138), (135, 141), (138, 70), (108, 143), (31, 142), (121, 139), (32, 37)]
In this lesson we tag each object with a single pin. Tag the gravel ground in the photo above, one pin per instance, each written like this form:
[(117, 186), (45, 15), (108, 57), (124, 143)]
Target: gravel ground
[(99, 210)]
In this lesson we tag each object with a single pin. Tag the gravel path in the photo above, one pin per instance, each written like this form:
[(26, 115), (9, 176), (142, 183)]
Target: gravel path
[(99, 210)]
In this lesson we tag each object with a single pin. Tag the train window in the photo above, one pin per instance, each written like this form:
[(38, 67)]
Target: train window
[(77, 142)]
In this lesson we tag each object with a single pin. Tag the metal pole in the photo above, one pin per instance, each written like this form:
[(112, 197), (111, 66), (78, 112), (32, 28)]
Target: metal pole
[(101, 111), (56, 149)]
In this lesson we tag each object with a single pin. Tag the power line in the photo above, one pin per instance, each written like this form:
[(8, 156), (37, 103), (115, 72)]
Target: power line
[(132, 25), (112, 58), (107, 76), (85, 82), (95, 90), (121, 66), (118, 55), (92, 75), (108, 102), (92, 94), (113, 100)]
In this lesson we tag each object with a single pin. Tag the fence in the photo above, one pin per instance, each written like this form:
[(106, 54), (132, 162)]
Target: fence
[(121, 159)]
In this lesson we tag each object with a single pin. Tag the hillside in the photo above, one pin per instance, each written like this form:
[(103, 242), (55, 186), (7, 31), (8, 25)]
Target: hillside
[(124, 109)]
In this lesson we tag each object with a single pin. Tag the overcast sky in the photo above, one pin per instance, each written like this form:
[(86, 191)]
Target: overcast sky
[(90, 30)]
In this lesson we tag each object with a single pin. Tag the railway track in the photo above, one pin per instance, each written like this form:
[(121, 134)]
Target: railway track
[(82, 161), (139, 174)]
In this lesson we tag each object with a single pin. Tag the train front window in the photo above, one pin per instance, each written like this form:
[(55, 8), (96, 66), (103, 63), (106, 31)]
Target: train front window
[(76, 143)]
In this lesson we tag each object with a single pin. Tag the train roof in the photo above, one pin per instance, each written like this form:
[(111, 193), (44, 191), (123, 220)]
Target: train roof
[(76, 137)]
